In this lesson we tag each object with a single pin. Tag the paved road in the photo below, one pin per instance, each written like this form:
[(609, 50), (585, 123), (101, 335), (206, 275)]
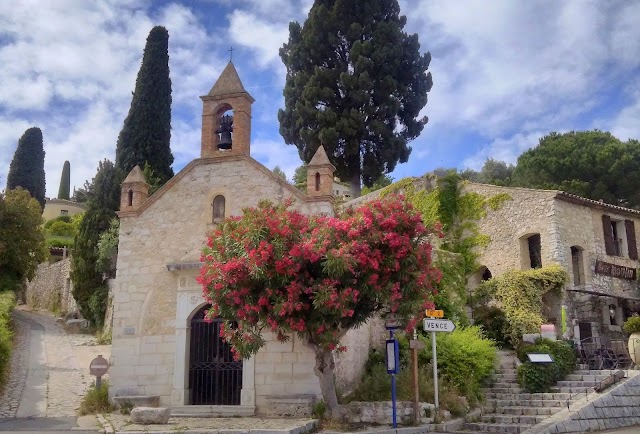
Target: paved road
[(48, 377)]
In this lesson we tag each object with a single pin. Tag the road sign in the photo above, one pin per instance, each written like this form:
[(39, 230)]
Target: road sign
[(438, 325), (435, 313), (99, 366)]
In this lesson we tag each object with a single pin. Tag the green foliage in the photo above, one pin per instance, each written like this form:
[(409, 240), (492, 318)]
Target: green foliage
[(493, 172), (104, 338), (495, 202), (280, 173), (54, 241), (96, 400), (519, 294), (591, 164), (444, 205), (539, 377), (152, 179), (108, 248), (22, 245), (466, 359), (465, 363), (300, 178), (356, 82), (62, 229), (632, 325), (65, 181), (27, 167), (7, 303), (103, 199), (60, 218), (146, 132), (319, 409), (494, 324), (381, 182)]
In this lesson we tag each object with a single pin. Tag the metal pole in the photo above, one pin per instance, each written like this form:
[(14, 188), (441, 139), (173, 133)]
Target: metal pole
[(98, 382), (393, 392), (414, 372), (435, 370)]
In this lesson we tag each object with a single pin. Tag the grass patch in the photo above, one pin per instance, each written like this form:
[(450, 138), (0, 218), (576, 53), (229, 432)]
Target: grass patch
[(7, 303), (96, 400)]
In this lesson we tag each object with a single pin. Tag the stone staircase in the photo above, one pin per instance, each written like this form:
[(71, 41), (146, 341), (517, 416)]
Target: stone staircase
[(507, 409)]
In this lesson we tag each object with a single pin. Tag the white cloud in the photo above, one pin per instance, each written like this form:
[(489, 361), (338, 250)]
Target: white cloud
[(274, 153), (504, 149)]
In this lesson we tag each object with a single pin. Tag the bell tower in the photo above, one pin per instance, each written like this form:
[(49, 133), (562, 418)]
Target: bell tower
[(226, 117)]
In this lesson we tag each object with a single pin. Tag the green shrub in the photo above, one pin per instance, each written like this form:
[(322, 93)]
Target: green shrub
[(60, 228), (466, 359), (494, 324), (7, 303), (96, 400), (540, 377), (60, 218), (55, 241), (632, 325)]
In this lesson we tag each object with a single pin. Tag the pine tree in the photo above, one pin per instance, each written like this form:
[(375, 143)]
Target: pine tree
[(27, 167), (356, 83), (89, 289), (146, 133), (65, 181)]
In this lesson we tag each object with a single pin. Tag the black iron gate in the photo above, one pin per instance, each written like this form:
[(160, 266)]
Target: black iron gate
[(214, 377)]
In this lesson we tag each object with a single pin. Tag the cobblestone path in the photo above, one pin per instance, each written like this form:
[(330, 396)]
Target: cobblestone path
[(46, 379)]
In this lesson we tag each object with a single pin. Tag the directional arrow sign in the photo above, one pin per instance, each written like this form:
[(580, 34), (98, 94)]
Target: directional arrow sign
[(438, 325)]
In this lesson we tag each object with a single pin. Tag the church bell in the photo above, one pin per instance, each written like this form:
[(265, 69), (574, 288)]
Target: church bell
[(225, 129)]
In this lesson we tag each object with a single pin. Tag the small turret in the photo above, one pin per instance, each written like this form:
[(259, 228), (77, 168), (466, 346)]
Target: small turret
[(320, 175), (135, 190)]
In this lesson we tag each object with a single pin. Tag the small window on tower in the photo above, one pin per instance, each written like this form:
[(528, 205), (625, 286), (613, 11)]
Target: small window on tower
[(218, 208), (317, 181), (64, 212), (130, 197)]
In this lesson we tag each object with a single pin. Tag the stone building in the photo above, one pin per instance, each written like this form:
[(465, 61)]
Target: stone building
[(593, 241), (161, 344), (58, 207)]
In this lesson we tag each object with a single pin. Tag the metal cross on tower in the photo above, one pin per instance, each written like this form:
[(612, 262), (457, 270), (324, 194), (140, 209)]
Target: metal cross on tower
[(230, 50)]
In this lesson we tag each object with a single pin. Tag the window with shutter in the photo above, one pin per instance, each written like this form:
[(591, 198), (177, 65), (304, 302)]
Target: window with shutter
[(631, 239), (609, 244)]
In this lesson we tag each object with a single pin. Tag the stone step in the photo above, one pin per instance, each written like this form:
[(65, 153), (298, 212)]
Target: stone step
[(605, 372), (503, 419), (507, 377), (585, 377), (493, 402), (568, 383), (528, 411), (495, 427), (523, 395), (502, 384), (512, 389), (574, 390)]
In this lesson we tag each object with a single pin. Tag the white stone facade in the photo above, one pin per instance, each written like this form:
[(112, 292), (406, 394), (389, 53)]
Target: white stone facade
[(571, 235)]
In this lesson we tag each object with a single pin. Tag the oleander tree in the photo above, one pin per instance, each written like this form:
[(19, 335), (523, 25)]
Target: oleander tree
[(275, 269)]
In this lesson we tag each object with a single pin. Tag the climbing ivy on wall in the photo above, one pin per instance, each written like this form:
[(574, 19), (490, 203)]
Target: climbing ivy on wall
[(519, 295), (445, 206)]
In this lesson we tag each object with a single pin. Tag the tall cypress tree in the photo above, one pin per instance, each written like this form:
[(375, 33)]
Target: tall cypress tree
[(356, 82), (89, 289), (146, 133), (65, 181), (27, 167)]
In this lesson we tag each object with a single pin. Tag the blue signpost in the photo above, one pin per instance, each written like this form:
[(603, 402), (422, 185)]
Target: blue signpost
[(392, 357)]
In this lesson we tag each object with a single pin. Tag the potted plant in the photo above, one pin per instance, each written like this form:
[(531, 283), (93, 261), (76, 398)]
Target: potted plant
[(632, 326)]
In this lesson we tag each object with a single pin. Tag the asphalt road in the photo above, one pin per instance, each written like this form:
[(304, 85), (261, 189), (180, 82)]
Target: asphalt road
[(41, 425)]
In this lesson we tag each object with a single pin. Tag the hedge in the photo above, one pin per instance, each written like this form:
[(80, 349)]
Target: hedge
[(7, 303)]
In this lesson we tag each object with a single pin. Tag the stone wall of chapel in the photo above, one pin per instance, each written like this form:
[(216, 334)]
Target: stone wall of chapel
[(172, 229), (527, 212)]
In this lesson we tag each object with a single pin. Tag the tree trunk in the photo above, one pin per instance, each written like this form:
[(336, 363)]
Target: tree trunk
[(356, 188), (325, 368)]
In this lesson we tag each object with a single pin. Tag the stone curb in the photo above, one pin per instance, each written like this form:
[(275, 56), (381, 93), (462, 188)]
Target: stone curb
[(307, 428), (106, 425)]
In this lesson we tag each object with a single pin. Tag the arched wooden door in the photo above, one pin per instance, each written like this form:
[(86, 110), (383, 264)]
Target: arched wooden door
[(214, 377)]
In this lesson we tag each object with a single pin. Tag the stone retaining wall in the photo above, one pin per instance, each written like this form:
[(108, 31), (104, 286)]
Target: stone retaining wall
[(619, 407), (380, 412), (51, 288)]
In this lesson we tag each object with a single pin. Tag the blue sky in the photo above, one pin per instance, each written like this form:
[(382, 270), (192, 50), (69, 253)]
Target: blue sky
[(505, 74)]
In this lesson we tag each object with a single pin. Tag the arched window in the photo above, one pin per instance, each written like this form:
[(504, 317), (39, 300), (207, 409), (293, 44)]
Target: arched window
[(218, 208), (317, 181), (130, 197)]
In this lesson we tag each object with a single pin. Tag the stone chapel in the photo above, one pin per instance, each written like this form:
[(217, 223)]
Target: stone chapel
[(161, 346)]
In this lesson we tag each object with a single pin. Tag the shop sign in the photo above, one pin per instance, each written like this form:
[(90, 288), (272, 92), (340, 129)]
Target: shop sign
[(614, 270)]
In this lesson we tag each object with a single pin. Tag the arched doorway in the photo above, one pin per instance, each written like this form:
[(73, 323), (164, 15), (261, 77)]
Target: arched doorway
[(214, 377)]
